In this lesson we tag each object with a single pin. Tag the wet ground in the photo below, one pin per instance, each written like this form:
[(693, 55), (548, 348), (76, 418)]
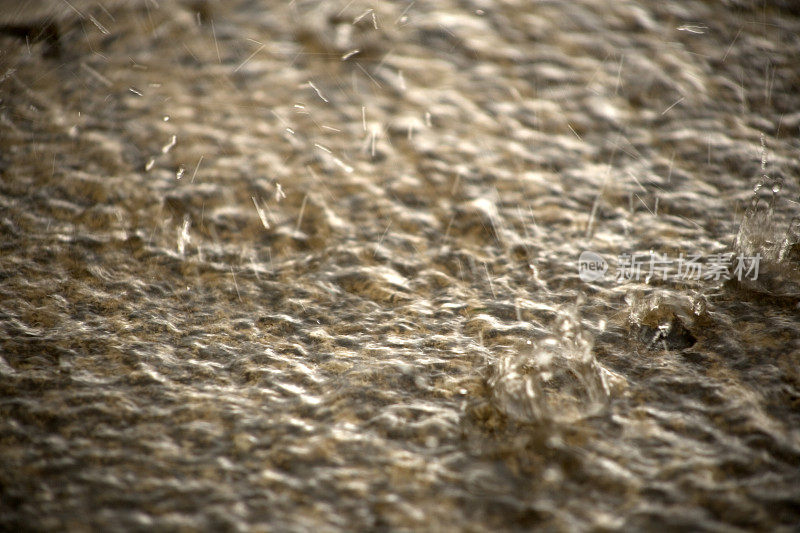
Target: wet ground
[(314, 265)]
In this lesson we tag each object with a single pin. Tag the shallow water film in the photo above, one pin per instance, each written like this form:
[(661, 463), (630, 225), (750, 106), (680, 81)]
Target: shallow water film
[(421, 265)]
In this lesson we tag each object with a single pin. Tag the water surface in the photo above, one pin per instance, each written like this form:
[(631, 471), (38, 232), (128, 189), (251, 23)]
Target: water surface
[(314, 265)]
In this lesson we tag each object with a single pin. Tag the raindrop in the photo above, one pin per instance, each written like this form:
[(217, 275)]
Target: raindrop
[(183, 234), (693, 28), (760, 184), (279, 194), (170, 145), (350, 54), (777, 185)]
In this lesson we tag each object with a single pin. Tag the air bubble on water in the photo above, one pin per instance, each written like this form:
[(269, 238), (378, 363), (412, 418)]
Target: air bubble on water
[(166, 118)]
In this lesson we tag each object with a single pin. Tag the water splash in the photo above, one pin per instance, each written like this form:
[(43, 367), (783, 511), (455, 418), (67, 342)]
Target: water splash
[(183, 234), (790, 248), (663, 320), (761, 232), (758, 232), (557, 380)]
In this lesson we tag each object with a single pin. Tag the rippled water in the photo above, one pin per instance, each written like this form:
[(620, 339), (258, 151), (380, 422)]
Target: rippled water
[(303, 265)]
